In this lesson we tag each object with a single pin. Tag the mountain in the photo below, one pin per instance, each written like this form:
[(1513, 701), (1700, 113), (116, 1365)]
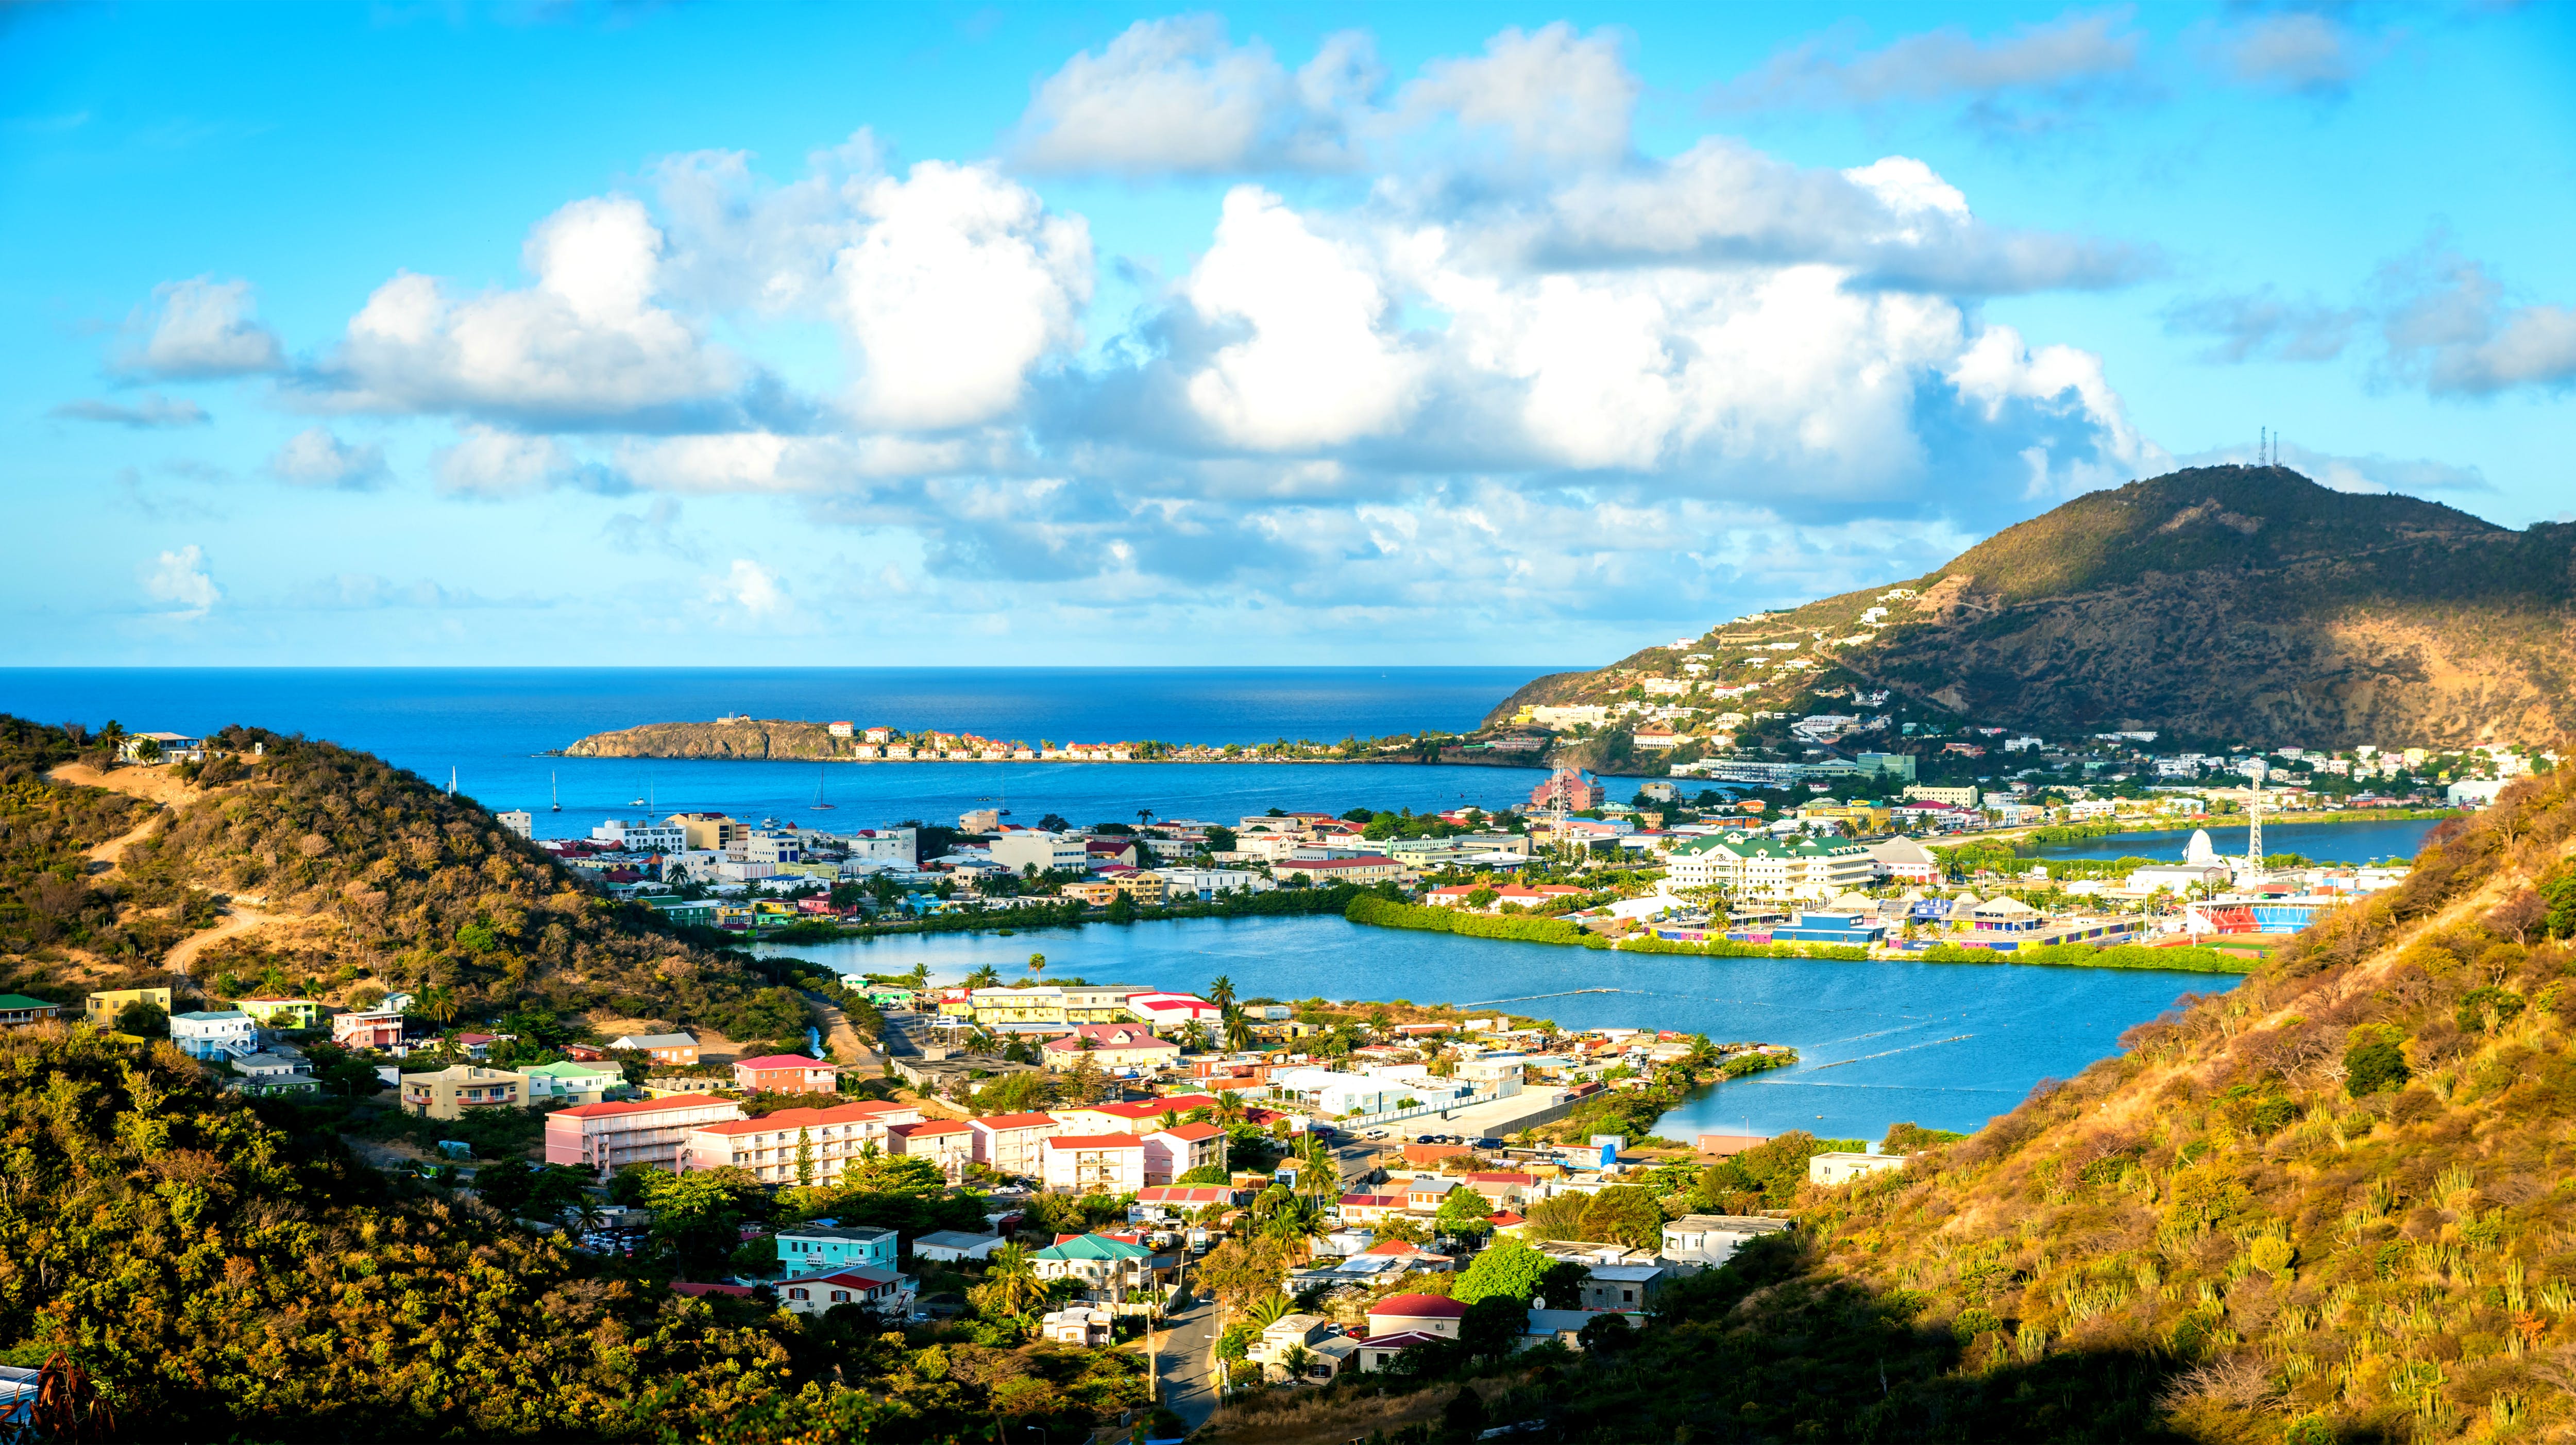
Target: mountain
[(2218, 602)]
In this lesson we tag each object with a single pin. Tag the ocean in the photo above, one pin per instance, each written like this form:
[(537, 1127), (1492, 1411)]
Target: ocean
[(2396, 840), (487, 727)]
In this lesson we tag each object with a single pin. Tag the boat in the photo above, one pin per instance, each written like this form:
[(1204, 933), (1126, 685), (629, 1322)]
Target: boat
[(819, 770), (769, 822), (554, 793)]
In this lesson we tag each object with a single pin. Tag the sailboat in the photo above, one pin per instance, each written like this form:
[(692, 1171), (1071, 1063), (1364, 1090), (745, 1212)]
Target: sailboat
[(639, 802), (819, 770), (554, 793)]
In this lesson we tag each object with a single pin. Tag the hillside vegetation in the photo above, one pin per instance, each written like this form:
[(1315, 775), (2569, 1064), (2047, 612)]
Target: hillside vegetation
[(766, 739), (2218, 601), (2335, 1204)]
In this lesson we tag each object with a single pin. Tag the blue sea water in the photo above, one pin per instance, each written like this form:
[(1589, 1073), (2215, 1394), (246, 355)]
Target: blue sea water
[(1942, 1045), (489, 725), (2324, 842)]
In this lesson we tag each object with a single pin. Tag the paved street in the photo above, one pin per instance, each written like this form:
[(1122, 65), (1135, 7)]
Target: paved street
[(1188, 1351)]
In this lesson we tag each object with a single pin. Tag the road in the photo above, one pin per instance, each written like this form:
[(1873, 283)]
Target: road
[(1188, 1359)]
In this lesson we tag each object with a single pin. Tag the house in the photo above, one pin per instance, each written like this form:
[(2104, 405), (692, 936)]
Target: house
[(214, 1034), (100, 1009), (1501, 1188), (1077, 1325), (1377, 1349), (1101, 1263), (368, 1029), (1411, 1257), (166, 747), (607, 1137), (283, 1013), (1841, 1167), (1424, 1195), (1903, 860), (793, 1146), (948, 1143), (1622, 1286), (880, 1290), (453, 1093), (1118, 1048), (1093, 1163), (1009, 1143), (1288, 1332), (1712, 1239), (573, 1083), (1042, 1008), (661, 1048), (806, 1248), (264, 1073), (1367, 1208), (950, 1246), (1173, 1152), (1429, 1314), (1162, 1201), (786, 1074), (1103, 1118), (1174, 1010)]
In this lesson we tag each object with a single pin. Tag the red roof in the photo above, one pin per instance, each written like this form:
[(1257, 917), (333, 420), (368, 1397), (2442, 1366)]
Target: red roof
[(933, 1126), (1418, 1307), (1328, 865), (691, 1287), (1506, 1220), (1502, 1179), (1371, 1201), (1095, 1141), (1399, 1246), (1192, 1132), (803, 1118), (637, 1106), (1148, 1108), (859, 1277), (1015, 1121), (781, 1061), (1185, 1194)]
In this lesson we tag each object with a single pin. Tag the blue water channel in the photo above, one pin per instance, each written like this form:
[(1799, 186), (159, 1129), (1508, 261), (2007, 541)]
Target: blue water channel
[(2324, 842), (1943, 1045)]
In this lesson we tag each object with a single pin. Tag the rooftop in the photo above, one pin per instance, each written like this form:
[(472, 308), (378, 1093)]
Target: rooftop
[(1418, 1307)]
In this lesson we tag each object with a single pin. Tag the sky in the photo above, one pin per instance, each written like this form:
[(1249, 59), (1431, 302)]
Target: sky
[(781, 334)]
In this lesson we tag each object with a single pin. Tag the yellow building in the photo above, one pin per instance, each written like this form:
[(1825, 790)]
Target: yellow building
[(1145, 888), (103, 1007), (1049, 1005), (452, 1093), (710, 832)]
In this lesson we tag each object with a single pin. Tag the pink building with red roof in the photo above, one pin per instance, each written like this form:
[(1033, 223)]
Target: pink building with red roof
[(1093, 1163), (1171, 1153), (608, 1137), (792, 1144), (948, 1143), (786, 1074)]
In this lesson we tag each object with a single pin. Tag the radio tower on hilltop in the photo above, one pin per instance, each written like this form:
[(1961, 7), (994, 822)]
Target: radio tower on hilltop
[(2254, 823)]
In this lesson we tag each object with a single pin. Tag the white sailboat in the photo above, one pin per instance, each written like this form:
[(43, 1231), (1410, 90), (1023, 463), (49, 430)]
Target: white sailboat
[(554, 794)]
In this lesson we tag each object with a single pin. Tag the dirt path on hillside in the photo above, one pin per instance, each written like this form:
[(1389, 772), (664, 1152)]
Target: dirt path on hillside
[(159, 785), (234, 924)]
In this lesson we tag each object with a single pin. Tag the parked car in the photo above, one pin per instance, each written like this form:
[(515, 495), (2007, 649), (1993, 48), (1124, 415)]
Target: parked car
[(1489, 1143)]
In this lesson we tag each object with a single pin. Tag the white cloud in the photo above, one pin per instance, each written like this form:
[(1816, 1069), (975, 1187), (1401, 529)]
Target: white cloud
[(1315, 366), (2448, 324), (748, 585), (491, 463), (198, 329), (1556, 95), (2302, 51), (587, 345), (958, 285), (316, 458), (2074, 49), (180, 581), (148, 411), (1174, 97)]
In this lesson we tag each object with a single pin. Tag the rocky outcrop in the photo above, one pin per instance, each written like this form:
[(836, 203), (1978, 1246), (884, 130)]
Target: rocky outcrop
[(754, 740)]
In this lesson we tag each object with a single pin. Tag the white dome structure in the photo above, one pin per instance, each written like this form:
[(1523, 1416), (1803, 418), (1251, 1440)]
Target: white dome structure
[(2200, 853)]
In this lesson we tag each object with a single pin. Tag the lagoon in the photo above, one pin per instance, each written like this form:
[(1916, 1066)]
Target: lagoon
[(1944, 1045), (2325, 842)]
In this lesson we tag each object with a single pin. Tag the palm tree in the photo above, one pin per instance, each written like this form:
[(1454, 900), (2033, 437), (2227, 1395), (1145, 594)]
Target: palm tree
[(1221, 993), (1194, 1037), (1013, 1278), (1144, 816), (1229, 1106), (112, 738), (1037, 960), (1238, 1030), (919, 978), (984, 976), (440, 1004)]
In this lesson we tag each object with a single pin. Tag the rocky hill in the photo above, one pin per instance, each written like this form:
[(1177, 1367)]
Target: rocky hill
[(2238, 602), (755, 740)]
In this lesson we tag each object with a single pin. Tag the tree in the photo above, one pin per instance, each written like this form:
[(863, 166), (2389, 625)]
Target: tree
[(1144, 816), (142, 1018), (1510, 1268), (1086, 1082), (1221, 993), (112, 738), (919, 977), (1559, 1216), (804, 1157), (984, 976), (439, 1004), (148, 751), (1011, 1280), (1122, 908), (1036, 961), (1465, 1214), (1625, 1214), (1463, 1418), (1238, 1030), (2375, 1063)]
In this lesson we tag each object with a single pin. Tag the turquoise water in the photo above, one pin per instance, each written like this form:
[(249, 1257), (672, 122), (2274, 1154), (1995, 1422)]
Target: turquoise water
[(1878, 1042), (2325, 842)]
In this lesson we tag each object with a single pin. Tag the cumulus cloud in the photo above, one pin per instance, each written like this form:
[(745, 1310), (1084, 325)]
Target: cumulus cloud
[(2305, 52), (149, 411), (490, 463), (2264, 325), (199, 329), (1553, 94), (749, 586), (1175, 97), (316, 458), (2074, 50), (587, 346), (181, 583)]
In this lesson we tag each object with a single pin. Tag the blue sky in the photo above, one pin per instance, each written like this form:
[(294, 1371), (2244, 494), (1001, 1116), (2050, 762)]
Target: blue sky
[(780, 334)]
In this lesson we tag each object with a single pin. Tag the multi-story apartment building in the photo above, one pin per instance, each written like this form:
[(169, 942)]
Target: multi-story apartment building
[(101, 1009), (1012, 1143), (794, 1146), (641, 835), (453, 1093), (1093, 1163), (1046, 1008), (714, 832), (607, 1137), (1755, 865)]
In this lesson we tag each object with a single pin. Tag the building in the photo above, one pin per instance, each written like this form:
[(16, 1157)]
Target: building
[(1128, 1116), (1028, 851), (641, 835), (1093, 1163), (1173, 1152), (950, 1246), (709, 832), (608, 1137), (794, 1146), (1043, 1008), (661, 1048), (1712, 1239), (167, 747), (99, 1010), (947, 1143), (1622, 1286), (1078, 1325), (1845, 929), (883, 1291), (1888, 767), (1119, 1048), (1012, 1143), (266, 1073), (519, 821), (1107, 1266), (1759, 866), (368, 1029), (283, 1013), (453, 1093), (806, 1248), (1428, 1314), (1839, 1167), (1326, 871), (1955, 797), (1903, 860), (1206, 883), (786, 1074), (214, 1033), (1174, 1010), (570, 1082)]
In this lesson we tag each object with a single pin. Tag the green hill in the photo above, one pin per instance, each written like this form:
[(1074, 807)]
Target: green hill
[(2220, 601)]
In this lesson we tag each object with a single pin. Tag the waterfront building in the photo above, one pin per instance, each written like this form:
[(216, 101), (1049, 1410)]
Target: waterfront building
[(1029, 850), (1325, 871), (1118, 1048), (1755, 865)]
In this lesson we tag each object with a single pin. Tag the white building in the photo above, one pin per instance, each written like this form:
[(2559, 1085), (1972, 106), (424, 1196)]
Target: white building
[(1755, 866), (1839, 1167), (1023, 850), (641, 835), (1207, 883), (1093, 1163), (519, 821), (215, 1034)]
